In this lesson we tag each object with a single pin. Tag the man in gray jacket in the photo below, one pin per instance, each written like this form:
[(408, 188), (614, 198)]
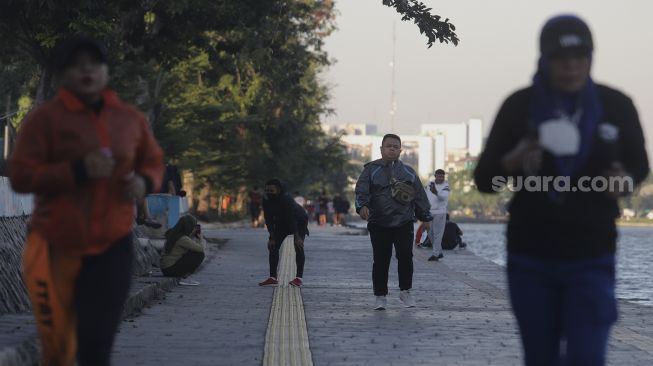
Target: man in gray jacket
[(389, 196)]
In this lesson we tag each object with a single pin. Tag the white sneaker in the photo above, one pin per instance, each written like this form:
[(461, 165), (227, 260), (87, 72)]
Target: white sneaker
[(407, 299), (188, 283), (381, 303)]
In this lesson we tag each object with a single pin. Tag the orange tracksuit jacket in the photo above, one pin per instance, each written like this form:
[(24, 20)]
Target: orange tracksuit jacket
[(75, 216), (82, 217)]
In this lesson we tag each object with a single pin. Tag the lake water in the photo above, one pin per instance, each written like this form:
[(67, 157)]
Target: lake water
[(634, 256)]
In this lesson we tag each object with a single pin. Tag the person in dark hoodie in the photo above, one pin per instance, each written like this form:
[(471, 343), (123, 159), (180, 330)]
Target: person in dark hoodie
[(562, 241), (389, 195), (283, 217)]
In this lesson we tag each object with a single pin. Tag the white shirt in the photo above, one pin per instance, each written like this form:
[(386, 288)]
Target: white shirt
[(300, 201), (440, 201)]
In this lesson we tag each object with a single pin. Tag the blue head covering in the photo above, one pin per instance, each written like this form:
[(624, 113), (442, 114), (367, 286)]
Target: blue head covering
[(548, 103)]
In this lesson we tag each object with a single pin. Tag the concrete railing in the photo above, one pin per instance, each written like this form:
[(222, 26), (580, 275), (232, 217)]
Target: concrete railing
[(13, 204)]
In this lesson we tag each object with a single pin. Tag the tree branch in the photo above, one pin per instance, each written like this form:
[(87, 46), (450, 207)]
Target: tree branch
[(428, 24)]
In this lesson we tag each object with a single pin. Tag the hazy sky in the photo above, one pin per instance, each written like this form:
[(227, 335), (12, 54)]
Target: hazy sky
[(497, 55)]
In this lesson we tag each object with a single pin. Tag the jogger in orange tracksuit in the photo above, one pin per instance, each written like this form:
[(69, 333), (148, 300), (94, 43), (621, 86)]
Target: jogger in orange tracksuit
[(88, 158)]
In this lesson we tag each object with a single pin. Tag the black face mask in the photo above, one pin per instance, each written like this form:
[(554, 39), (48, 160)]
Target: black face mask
[(272, 196)]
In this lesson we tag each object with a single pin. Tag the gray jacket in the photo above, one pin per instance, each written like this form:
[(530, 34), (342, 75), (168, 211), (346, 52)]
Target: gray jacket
[(373, 190)]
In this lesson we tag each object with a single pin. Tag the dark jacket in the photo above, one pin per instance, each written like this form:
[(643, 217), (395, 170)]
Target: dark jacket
[(451, 237), (373, 190), (283, 216), (341, 205), (582, 224)]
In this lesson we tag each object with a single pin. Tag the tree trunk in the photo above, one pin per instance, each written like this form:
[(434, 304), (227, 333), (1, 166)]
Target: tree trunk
[(204, 198), (189, 186), (44, 90), (241, 200)]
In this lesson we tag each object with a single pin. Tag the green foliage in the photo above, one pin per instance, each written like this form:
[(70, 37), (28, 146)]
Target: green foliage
[(231, 88), (469, 201), (430, 25), (641, 201)]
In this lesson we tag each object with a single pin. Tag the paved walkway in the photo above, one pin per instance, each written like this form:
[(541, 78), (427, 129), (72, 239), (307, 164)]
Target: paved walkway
[(462, 317)]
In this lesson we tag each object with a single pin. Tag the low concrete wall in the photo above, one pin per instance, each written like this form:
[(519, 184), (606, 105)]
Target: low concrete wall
[(13, 204), (13, 297), (14, 215), (15, 210)]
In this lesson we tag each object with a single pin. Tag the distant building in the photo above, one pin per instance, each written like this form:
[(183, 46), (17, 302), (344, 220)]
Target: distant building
[(455, 133), (475, 137), (352, 129), (448, 146), (440, 153), (361, 148), (457, 145)]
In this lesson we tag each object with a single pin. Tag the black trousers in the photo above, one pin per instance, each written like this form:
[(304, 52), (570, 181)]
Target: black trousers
[(101, 290), (185, 266), (382, 240), (300, 258)]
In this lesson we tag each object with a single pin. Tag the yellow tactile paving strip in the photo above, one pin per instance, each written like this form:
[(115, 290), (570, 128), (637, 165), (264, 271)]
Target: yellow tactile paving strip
[(286, 341)]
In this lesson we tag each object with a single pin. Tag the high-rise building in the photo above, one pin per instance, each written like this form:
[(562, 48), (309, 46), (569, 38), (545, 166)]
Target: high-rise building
[(455, 133), (474, 137), (440, 152)]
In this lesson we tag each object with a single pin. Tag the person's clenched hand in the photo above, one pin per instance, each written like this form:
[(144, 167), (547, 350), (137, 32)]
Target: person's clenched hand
[(98, 164), (135, 187), (364, 213), (299, 242)]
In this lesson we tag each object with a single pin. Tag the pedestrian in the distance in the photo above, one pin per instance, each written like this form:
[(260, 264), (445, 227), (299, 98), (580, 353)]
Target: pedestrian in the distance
[(389, 195), (437, 192), (255, 201), (284, 217), (300, 199), (323, 208), (88, 158), (341, 205), (562, 242)]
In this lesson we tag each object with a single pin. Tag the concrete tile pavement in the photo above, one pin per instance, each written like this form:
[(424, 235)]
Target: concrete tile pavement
[(453, 324), (220, 322), (462, 317)]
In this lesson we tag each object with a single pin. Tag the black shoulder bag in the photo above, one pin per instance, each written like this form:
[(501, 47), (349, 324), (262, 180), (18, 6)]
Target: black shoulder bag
[(402, 192)]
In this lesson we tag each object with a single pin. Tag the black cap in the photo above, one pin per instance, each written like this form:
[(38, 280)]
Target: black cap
[(564, 33), (66, 51)]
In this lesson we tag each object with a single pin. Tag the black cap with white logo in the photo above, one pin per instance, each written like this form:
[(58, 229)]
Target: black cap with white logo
[(66, 50), (565, 33)]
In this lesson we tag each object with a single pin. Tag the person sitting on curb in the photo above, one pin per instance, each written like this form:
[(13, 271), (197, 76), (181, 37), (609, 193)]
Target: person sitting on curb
[(452, 236), (283, 217), (421, 229), (183, 252)]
